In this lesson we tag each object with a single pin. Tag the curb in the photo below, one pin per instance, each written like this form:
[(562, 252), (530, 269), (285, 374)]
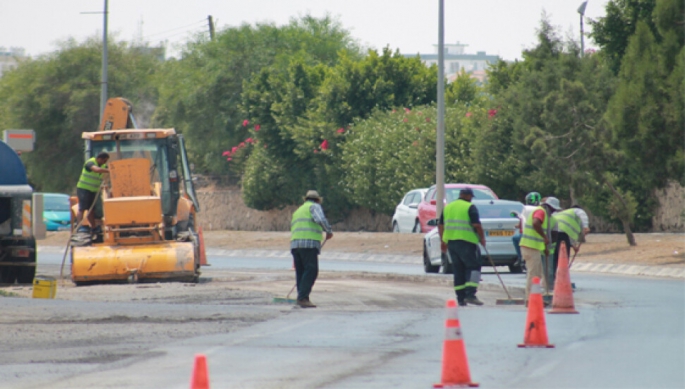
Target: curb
[(633, 270)]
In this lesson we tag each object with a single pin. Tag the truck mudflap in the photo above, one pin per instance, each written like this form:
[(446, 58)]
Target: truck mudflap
[(173, 261)]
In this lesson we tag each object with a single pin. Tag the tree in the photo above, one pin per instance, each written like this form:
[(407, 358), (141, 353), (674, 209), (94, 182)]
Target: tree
[(613, 31), (201, 93), (305, 108), (58, 96)]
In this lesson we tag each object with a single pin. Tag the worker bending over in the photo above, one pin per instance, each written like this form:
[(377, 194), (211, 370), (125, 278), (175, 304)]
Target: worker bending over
[(571, 225), (460, 232)]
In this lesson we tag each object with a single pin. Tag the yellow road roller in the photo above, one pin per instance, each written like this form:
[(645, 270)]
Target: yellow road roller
[(148, 229)]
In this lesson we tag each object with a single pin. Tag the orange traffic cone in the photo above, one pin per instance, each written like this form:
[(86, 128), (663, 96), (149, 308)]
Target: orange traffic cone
[(200, 378), (455, 366), (203, 254), (563, 293), (536, 330)]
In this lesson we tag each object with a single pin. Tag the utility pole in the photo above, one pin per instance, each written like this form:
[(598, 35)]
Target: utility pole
[(211, 27), (581, 11), (440, 141), (103, 89)]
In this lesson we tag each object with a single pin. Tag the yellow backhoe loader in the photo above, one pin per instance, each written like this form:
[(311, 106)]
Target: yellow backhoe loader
[(150, 229)]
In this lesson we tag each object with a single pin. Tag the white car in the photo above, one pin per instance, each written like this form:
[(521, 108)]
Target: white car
[(500, 222), (406, 217)]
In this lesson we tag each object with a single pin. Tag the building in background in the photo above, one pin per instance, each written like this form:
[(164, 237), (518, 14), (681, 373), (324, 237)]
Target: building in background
[(456, 61), (9, 59)]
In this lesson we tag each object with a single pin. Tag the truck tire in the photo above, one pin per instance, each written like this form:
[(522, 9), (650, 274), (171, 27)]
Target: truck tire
[(8, 274), (26, 274)]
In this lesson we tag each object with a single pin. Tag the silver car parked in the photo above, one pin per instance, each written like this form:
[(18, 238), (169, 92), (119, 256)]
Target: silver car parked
[(500, 225)]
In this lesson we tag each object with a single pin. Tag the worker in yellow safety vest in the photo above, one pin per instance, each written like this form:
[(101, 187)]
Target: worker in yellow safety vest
[(306, 229), (571, 224), (536, 240), (460, 232), (88, 186)]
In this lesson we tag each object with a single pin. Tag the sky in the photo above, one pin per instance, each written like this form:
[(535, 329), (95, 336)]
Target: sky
[(499, 27)]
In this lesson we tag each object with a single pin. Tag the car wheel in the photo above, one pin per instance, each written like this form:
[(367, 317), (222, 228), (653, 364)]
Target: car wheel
[(417, 227), (446, 265), (427, 267), (515, 269), (395, 227)]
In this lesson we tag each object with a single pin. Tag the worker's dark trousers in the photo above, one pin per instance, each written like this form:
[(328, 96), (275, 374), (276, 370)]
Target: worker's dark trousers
[(465, 258), (306, 270), (561, 237)]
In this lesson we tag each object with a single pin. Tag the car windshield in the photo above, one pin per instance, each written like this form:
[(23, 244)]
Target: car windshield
[(56, 203), (498, 211), (452, 194)]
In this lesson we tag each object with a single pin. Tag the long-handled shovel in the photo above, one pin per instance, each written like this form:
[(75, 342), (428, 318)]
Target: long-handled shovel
[(508, 300), (574, 256), (287, 299)]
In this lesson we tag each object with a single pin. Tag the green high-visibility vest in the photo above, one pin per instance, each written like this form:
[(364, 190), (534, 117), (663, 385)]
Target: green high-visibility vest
[(303, 225), (457, 222), (90, 180), (530, 238), (567, 221)]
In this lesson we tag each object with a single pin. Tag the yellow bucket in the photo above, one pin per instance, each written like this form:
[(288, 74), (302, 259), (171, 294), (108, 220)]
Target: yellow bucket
[(44, 287)]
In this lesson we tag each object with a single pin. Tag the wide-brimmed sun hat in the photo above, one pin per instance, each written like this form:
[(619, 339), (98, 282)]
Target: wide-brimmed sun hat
[(552, 202), (313, 195)]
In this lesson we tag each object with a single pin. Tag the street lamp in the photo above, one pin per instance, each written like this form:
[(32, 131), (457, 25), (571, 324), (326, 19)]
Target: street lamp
[(581, 11), (440, 139)]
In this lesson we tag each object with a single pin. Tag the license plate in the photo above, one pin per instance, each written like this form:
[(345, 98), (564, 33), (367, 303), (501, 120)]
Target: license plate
[(501, 233), (21, 253), (63, 228)]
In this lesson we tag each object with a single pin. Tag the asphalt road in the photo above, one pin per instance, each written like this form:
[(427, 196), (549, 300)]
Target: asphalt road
[(630, 333)]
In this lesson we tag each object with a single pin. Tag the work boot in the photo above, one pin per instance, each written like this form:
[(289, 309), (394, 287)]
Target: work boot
[(473, 300), (461, 303), (305, 303)]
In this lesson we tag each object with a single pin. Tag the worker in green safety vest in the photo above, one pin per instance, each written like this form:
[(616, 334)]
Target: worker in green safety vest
[(88, 186), (306, 229), (460, 232), (536, 241), (571, 224)]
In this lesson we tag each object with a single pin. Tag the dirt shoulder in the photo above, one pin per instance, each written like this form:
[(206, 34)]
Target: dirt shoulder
[(663, 249)]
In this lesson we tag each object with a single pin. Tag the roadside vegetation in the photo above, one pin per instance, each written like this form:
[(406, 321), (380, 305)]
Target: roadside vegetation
[(286, 108)]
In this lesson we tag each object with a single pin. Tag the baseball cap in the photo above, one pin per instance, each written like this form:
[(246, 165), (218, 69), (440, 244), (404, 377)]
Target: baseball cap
[(466, 191)]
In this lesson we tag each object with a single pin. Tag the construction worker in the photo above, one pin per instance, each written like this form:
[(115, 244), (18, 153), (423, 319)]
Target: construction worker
[(307, 227), (570, 225), (536, 240), (88, 186), (532, 202), (460, 232)]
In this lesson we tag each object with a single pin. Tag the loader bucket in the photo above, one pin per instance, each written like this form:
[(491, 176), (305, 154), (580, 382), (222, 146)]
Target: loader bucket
[(152, 262)]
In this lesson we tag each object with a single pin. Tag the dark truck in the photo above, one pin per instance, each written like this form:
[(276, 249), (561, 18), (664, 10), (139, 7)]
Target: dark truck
[(17, 242)]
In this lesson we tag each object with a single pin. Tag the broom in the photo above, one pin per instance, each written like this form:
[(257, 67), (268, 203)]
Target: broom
[(287, 299), (508, 300)]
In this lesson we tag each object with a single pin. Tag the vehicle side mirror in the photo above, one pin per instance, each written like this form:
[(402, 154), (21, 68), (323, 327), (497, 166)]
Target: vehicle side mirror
[(433, 222), (433, 202), (414, 206)]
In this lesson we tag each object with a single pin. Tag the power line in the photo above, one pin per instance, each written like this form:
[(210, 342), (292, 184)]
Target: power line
[(191, 31), (203, 21)]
